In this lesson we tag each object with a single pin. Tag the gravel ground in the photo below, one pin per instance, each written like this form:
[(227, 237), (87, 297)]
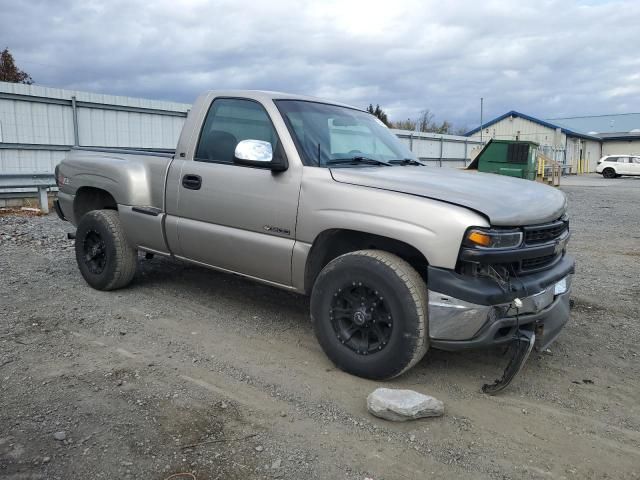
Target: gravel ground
[(190, 370)]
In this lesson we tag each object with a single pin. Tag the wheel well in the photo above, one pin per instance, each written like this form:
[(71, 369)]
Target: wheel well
[(331, 244), (91, 198)]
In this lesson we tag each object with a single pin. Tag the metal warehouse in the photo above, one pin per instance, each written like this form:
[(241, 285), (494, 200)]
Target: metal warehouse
[(577, 143)]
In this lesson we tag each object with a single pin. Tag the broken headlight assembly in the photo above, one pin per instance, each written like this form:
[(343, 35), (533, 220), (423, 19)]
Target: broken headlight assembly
[(492, 238)]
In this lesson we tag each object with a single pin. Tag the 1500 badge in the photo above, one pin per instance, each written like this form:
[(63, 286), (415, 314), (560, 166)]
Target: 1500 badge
[(272, 229)]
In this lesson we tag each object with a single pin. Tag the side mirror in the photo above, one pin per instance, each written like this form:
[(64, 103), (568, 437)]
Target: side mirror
[(258, 153)]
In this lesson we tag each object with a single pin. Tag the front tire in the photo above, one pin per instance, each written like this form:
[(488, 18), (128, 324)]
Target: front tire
[(609, 173), (369, 313), (105, 258)]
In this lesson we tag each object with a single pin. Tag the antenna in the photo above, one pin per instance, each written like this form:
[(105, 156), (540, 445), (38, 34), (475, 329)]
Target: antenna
[(481, 126)]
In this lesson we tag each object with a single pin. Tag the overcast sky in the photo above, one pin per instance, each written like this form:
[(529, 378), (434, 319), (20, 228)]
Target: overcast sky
[(544, 58)]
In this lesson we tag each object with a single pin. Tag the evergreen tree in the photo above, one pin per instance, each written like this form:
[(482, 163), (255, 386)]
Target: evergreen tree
[(378, 112), (9, 72)]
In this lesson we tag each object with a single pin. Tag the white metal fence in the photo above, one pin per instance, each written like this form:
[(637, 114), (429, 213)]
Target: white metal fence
[(38, 125), (438, 149)]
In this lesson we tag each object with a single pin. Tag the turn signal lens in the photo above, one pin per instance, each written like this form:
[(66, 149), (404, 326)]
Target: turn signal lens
[(493, 238), (479, 238)]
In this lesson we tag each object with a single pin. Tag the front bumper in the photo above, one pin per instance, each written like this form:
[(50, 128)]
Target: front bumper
[(64, 206), (58, 209), (469, 312)]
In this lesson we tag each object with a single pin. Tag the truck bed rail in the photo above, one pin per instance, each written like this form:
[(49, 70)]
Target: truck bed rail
[(160, 152)]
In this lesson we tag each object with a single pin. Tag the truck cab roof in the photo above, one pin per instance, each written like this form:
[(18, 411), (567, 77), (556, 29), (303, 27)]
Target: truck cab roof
[(266, 95)]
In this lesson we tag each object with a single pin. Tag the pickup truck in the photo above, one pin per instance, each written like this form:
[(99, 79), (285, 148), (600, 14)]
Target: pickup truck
[(321, 199)]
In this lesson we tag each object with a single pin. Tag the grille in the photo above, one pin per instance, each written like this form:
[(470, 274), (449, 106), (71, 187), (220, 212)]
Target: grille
[(544, 233), (538, 262)]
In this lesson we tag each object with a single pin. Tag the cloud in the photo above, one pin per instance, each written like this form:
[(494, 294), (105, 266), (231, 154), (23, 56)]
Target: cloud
[(549, 58)]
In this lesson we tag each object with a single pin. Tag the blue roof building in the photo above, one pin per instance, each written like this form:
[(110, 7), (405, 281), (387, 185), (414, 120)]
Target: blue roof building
[(577, 142)]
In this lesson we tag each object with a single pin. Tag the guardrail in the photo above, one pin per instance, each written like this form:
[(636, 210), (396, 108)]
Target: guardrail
[(41, 181)]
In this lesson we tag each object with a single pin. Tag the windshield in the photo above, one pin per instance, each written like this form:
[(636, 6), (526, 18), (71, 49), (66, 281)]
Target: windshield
[(329, 135)]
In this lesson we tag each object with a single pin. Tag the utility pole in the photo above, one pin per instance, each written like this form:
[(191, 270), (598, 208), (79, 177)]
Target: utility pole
[(481, 105)]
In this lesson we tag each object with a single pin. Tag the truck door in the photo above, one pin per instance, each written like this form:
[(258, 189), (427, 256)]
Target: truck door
[(237, 218)]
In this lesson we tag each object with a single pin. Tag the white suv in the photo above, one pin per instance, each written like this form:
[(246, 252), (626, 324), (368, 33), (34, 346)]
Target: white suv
[(612, 166)]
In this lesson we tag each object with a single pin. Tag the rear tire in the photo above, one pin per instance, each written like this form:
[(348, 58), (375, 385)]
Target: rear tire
[(105, 258), (609, 173), (369, 313)]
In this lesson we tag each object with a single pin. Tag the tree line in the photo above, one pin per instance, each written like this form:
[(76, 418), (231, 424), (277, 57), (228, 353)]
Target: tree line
[(423, 123)]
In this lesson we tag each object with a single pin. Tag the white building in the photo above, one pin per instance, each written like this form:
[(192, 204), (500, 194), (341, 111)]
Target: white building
[(620, 133), (577, 142)]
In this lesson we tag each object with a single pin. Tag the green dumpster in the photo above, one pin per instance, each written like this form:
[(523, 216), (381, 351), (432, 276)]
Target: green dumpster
[(514, 158)]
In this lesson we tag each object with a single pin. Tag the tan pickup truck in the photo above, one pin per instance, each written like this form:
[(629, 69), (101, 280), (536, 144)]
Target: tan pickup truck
[(322, 199)]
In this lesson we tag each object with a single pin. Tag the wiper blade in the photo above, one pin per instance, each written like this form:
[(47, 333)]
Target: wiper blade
[(408, 161), (356, 160)]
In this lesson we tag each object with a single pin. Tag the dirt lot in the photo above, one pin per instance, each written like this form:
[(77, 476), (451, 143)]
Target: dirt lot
[(190, 370)]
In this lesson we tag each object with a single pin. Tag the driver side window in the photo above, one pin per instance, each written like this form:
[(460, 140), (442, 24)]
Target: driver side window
[(228, 122)]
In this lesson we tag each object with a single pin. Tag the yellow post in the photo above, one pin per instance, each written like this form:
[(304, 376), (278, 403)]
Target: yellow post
[(541, 166)]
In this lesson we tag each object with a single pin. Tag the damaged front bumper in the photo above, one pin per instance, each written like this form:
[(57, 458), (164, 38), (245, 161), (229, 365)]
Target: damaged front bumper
[(468, 312)]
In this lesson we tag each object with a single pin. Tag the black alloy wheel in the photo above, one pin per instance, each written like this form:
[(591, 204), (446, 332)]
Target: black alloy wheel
[(361, 318), (95, 252), (369, 313)]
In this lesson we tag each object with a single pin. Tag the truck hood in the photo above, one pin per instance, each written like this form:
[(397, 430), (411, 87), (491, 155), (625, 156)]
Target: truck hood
[(505, 201)]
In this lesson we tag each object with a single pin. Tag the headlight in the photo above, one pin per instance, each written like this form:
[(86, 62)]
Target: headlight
[(477, 237)]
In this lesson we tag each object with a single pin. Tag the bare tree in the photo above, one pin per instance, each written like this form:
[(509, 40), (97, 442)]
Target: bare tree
[(461, 130), (445, 127), (407, 124), (425, 121)]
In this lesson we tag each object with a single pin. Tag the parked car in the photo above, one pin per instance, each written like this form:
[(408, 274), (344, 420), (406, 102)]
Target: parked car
[(322, 199), (613, 166)]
